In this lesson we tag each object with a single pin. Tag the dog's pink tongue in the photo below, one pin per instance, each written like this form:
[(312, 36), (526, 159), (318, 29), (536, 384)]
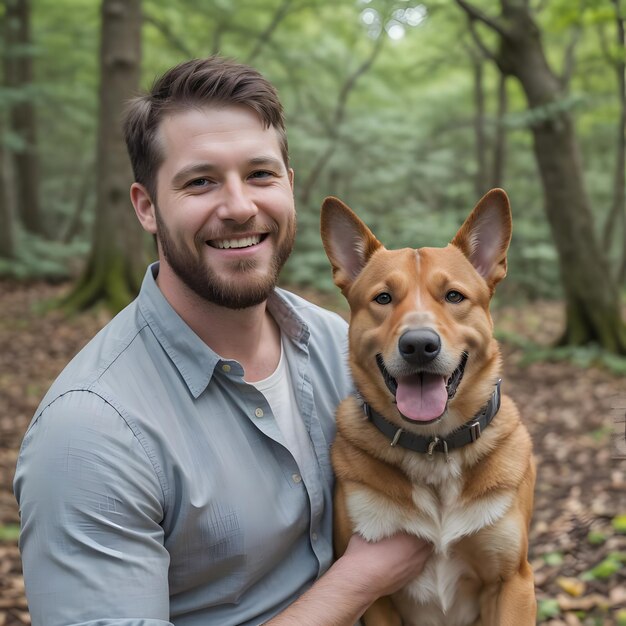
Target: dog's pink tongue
[(421, 397)]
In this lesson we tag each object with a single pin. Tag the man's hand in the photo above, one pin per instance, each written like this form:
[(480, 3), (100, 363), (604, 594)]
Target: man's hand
[(365, 572), (385, 566)]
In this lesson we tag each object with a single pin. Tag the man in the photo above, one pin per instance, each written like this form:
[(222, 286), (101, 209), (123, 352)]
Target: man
[(177, 472)]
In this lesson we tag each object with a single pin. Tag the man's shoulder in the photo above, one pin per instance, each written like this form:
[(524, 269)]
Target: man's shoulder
[(101, 354)]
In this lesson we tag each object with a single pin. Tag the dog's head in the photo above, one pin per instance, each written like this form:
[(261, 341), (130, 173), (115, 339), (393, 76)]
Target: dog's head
[(421, 336)]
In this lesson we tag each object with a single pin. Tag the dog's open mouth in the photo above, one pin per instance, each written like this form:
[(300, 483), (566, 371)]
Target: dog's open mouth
[(423, 397)]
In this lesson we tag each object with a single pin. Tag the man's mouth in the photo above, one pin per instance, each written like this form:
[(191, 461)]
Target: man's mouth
[(236, 242), (423, 397)]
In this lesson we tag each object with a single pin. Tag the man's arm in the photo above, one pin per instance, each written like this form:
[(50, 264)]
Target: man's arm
[(90, 504), (365, 572)]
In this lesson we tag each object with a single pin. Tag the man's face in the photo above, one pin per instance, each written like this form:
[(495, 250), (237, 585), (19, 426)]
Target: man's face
[(225, 217)]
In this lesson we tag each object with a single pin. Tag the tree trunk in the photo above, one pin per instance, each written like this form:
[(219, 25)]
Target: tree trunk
[(592, 297), (618, 207), (19, 76), (75, 224), (499, 150), (117, 261), (480, 182), (7, 232)]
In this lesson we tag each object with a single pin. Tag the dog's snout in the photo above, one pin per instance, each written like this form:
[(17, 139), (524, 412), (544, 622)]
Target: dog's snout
[(419, 346)]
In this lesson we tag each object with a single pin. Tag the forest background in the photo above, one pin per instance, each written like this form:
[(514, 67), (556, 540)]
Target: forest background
[(409, 111)]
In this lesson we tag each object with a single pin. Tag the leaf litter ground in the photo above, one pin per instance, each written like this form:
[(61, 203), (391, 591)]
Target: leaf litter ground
[(575, 415)]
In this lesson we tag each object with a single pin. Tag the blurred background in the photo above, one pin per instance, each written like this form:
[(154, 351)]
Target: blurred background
[(408, 111)]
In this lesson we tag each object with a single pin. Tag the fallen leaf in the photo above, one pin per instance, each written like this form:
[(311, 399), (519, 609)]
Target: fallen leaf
[(573, 586), (585, 603)]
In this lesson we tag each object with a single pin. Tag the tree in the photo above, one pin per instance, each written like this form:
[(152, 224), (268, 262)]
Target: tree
[(18, 69), (478, 54), (617, 213), (7, 240), (338, 114), (592, 296), (499, 151), (117, 261)]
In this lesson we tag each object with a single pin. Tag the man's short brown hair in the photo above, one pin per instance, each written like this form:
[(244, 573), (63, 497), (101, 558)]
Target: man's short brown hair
[(214, 81)]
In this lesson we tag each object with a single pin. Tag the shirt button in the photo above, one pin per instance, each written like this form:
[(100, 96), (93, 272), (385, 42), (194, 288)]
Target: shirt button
[(296, 478), (314, 536), (226, 368), (259, 412)]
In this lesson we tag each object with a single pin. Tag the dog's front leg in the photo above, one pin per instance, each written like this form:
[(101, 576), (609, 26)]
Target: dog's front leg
[(342, 527), (517, 605), (382, 613), (510, 602)]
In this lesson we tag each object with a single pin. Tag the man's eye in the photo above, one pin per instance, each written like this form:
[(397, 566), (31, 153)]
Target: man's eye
[(199, 182), (261, 174)]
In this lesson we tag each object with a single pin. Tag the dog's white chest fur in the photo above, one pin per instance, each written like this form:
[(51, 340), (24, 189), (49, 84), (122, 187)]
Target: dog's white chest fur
[(442, 518)]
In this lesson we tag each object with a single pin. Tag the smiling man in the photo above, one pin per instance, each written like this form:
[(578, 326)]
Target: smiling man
[(226, 185), (177, 472)]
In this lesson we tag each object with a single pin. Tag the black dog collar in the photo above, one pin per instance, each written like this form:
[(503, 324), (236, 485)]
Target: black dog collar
[(468, 433)]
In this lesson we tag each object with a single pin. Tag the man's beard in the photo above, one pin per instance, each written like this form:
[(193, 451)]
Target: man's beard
[(232, 293)]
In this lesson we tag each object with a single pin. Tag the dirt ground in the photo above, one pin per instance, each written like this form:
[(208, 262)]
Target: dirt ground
[(578, 536)]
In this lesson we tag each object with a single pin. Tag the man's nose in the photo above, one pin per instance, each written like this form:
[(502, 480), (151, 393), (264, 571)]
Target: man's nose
[(236, 203)]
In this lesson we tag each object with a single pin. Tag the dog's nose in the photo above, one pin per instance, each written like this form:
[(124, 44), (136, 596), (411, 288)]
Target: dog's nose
[(419, 346)]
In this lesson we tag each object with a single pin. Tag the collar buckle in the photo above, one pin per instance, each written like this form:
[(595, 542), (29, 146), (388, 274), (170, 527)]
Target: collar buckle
[(432, 446), (475, 431), (396, 437)]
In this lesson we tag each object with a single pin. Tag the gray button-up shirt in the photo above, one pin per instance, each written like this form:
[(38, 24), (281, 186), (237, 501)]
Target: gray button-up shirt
[(154, 485)]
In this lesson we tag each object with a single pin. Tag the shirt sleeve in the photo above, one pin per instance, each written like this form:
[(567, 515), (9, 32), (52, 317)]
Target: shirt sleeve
[(91, 506)]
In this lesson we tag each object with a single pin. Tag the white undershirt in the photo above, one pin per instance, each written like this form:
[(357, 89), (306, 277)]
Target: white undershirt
[(279, 393)]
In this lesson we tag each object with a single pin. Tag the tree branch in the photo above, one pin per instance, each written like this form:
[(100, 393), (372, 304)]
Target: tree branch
[(351, 81), (339, 113), (604, 45), (279, 15), (569, 62), (474, 13), (488, 54), (165, 30)]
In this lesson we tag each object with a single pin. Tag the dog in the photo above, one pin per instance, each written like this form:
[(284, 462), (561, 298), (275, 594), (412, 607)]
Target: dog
[(428, 444)]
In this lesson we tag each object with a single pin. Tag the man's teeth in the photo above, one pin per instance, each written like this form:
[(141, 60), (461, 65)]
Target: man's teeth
[(236, 243)]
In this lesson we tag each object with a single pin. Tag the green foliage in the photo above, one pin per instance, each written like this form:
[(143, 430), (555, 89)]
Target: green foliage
[(553, 558), (39, 258), (596, 538), (583, 357), (612, 564), (619, 524), (9, 532), (546, 608), (400, 148)]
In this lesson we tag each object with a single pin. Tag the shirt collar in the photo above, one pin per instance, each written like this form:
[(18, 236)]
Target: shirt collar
[(194, 360), (289, 321)]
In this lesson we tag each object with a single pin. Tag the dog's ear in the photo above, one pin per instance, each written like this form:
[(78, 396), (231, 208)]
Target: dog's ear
[(348, 242), (485, 236)]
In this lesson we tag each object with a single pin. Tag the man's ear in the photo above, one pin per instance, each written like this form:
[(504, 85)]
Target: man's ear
[(348, 242), (291, 175), (485, 236), (144, 207)]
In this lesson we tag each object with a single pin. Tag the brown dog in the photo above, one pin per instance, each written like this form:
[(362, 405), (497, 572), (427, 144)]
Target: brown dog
[(429, 446)]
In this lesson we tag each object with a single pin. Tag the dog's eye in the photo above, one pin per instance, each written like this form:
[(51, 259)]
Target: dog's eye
[(455, 297), (383, 298)]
